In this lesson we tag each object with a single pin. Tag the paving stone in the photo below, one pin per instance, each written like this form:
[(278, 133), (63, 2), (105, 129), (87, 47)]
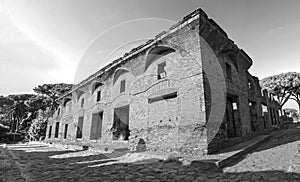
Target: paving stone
[(43, 168)]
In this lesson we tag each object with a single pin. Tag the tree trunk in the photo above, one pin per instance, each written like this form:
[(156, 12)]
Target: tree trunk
[(17, 126), (281, 112)]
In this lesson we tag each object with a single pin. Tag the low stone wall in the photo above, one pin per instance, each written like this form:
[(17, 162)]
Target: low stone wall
[(188, 139)]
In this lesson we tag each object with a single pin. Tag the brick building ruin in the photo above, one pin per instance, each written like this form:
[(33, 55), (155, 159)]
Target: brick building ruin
[(164, 94)]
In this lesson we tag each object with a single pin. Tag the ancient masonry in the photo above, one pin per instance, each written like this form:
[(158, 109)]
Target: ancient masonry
[(187, 90)]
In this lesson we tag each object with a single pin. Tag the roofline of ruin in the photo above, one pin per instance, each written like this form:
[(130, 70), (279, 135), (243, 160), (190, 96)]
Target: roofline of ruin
[(185, 20)]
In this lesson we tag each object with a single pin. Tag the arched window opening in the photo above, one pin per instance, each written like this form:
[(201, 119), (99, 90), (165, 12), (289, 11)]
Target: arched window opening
[(156, 53), (118, 73), (66, 100), (95, 86), (79, 93)]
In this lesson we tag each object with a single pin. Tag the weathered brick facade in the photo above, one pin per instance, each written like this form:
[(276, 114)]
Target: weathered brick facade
[(186, 90)]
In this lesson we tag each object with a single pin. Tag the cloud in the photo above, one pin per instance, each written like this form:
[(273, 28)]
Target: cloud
[(284, 29), (45, 41), (29, 57), (26, 62)]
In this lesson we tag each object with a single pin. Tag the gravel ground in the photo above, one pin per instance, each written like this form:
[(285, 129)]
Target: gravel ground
[(271, 161)]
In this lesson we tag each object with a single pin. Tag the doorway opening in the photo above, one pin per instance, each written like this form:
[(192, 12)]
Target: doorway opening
[(232, 115), (96, 129), (121, 123)]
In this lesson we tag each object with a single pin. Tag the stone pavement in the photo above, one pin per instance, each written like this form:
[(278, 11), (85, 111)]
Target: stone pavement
[(36, 162), (277, 153)]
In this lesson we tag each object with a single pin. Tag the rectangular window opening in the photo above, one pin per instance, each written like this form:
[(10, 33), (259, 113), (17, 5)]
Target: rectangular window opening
[(98, 95), (50, 130), (228, 71), (122, 86), (66, 131), (56, 130), (234, 106), (161, 73), (79, 127), (82, 103), (250, 87), (163, 97)]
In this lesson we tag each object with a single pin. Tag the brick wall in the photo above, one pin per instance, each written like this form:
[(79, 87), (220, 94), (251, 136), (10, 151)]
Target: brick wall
[(183, 112)]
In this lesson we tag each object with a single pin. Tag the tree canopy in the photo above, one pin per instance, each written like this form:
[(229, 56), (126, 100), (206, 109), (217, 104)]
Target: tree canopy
[(53, 92), (283, 87), (30, 112)]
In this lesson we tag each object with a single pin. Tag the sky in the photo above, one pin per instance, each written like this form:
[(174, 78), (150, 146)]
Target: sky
[(50, 41)]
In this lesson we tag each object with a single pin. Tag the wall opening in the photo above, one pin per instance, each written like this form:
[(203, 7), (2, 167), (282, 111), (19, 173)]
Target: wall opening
[(50, 130), (122, 86), (163, 97), (253, 116), (82, 103), (141, 146), (232, 116), (265, 114), (228, 71), (161, 72), (121, 123), (250, 85), (98, 95), (79, 127), (66, 100), (66, 131), (95, 86), (96, 128), (156, 53), (56, 130)]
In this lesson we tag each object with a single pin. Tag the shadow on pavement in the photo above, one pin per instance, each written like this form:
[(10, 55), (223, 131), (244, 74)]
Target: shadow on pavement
[(43, 167)]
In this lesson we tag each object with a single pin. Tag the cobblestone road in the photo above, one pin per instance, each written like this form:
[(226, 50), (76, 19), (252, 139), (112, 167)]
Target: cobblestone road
[(269, 162)]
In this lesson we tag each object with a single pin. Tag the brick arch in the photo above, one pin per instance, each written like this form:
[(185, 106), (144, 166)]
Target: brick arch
[(95, 85), (79, 93), (155, 53), (118, 73), (65, 101)]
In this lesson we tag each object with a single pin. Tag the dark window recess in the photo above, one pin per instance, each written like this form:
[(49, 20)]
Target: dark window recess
[(79, 127), (50, 130), (82, 102), (58, 112), (228, 71), (122, 86), (96, 126), (250, 85), (163, 97), (161, 73), (66, 131), (98, 95), (56, 130)]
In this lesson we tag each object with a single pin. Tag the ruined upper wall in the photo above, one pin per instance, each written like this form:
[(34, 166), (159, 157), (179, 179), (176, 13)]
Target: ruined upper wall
[(208, 28)]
